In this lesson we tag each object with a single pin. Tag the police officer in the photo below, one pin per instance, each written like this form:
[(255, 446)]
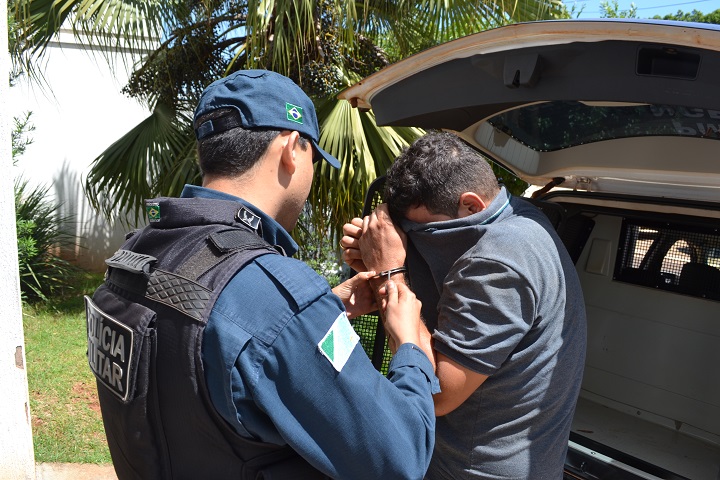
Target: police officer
[(218, 355)]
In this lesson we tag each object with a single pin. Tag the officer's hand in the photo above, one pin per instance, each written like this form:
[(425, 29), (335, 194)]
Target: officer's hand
[(382, 244), (402, 316), (351, 248), (357, 295)]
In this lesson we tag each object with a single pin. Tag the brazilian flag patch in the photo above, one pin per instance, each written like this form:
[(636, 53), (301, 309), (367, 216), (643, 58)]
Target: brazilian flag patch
[(153, 211), (294, 113), (339, 342)]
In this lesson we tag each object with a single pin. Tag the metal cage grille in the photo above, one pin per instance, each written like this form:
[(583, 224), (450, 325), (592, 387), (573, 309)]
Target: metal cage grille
[(368, 327), (672, 257), (373, 340)]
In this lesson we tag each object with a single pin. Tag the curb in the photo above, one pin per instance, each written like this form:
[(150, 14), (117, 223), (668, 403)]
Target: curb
[(74, 471)]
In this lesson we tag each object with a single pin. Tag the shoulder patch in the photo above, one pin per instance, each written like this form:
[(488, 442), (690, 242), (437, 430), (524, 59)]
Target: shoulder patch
[(339, 342)]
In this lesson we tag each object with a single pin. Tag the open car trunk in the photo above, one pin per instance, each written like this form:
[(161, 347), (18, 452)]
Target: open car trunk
[(648, 406), (620, 122)]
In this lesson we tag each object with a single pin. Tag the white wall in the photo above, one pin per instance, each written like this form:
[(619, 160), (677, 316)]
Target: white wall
[(79, 113), (16, 448)]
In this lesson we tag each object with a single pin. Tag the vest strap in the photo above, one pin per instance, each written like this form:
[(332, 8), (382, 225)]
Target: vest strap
[(220, 246), (131, 261)]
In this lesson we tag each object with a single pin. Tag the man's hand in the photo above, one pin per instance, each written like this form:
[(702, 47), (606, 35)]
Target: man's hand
[(357, 295), (401, 315), (397, 293), (350, 244), (382, 244)]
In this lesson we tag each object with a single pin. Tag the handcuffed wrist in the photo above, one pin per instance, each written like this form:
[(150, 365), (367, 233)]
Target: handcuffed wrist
[(388, 273)]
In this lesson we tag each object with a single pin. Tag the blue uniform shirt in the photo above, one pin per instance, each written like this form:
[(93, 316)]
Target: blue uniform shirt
[(268, 378)]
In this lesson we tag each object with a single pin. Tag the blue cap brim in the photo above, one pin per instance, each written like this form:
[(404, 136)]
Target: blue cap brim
[(328, 158)]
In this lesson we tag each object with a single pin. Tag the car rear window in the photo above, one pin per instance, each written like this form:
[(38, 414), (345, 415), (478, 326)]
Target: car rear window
[(669, 256), (553, 126)]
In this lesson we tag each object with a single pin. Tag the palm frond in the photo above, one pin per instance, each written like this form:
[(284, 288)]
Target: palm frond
[(365, 151), (142, 164), (414, 26), (126, 26)]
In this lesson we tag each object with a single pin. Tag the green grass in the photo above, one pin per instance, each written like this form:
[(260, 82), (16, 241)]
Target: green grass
[(66, 421)]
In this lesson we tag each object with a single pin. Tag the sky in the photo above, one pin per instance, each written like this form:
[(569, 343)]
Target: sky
[(646, 8)]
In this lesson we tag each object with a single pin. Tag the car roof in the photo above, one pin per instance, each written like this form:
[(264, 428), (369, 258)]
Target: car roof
[(621, 106)]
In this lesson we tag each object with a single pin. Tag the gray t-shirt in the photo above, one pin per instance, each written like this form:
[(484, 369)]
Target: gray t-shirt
[(507, 303)]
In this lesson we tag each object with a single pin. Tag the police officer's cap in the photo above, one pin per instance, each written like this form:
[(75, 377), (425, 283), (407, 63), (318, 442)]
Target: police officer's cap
[(263, 99)]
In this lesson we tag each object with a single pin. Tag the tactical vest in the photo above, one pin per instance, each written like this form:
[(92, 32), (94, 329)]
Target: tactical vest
[(145, 327)]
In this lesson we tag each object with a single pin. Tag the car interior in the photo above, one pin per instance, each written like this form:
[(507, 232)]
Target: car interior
[(650, 403)]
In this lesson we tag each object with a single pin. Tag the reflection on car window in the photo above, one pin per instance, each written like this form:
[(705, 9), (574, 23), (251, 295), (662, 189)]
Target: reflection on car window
[(555, 125), (673, 257), (644, 238)]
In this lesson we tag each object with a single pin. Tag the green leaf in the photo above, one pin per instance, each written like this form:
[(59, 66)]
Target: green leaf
[(154, 158)]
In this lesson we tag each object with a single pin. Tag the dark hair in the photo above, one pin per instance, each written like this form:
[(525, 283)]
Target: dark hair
[(433, 172), (233, 152)]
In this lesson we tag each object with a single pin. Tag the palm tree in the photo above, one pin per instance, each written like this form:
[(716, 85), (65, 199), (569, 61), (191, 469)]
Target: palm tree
[(324, 45)]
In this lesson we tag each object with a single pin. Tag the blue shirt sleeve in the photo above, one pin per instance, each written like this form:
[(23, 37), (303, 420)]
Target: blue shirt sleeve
[(275, 384)]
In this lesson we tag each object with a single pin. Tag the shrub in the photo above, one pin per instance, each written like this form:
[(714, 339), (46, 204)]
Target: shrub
[(40, 232), (312, 234)]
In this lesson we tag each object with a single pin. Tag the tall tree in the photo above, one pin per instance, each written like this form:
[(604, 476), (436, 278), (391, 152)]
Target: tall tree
[(694, 16), (324, 45)]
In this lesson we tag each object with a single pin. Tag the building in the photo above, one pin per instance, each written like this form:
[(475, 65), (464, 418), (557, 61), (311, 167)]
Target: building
[(77, 112)]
